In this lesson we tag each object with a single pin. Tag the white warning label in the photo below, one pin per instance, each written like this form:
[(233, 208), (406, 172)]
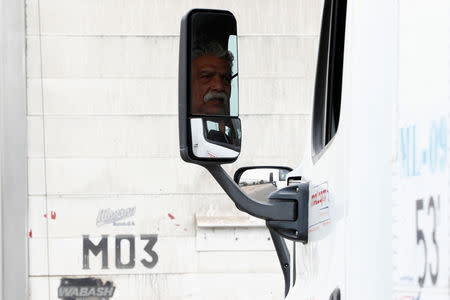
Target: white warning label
[(319, 208)]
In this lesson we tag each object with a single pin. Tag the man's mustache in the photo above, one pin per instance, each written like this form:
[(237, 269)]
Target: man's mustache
[(215, 95)]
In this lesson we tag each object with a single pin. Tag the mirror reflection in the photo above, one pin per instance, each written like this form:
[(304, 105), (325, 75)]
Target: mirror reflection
[(259, 183), (214, 65), (216, 137), (224, 131)]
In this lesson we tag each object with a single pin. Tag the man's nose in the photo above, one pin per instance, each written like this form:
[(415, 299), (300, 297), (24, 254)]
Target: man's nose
[(217, 83)]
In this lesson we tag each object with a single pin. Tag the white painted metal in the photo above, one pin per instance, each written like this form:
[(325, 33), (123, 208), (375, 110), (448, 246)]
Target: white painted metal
[(421, 164), (13, 156), (391, 83)]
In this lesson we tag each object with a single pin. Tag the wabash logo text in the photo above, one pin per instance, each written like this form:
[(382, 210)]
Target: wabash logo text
[(82, 288)]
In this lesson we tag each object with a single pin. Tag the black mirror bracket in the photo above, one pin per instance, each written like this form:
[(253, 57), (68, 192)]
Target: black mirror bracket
[(284, 258), (285, 212), (296, 230)]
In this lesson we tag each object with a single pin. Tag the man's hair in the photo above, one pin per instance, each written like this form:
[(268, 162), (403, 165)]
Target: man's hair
[(213, 48)]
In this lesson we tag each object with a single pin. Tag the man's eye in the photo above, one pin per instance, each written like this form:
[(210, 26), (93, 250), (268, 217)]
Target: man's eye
[(206, 75)]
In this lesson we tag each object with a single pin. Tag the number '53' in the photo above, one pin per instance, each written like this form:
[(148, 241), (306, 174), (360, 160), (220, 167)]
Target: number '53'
[(429, 210)]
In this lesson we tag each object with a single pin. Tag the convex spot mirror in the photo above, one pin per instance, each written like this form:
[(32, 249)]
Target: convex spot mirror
[(259, 182), (209, 126)]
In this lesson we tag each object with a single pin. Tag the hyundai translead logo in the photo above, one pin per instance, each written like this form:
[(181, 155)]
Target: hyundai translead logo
[(116, 217), (82, 288)]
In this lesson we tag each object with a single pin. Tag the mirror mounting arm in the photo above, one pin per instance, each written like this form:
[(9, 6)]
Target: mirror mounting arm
[(284, 258), (285, 212), (271, 210)]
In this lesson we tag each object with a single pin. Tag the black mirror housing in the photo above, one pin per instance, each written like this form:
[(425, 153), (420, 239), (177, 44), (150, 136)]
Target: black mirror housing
[(240, 171), (209, 127)]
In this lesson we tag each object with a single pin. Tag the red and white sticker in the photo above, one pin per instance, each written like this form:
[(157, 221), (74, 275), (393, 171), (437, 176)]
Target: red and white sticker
[(319, 209)]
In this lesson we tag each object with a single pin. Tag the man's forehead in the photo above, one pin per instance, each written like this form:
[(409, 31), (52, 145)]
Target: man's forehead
[(213, 62)]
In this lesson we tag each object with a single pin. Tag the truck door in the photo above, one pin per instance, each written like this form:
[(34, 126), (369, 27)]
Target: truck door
[(320, 268)]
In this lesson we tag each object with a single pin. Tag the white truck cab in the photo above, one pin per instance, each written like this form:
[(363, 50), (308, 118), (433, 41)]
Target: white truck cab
[(366, 214)]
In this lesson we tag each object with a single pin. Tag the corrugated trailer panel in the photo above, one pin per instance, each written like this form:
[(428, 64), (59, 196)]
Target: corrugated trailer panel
[(146, 137), (123, 97), (172, 286), (104, 170), (159, 17)]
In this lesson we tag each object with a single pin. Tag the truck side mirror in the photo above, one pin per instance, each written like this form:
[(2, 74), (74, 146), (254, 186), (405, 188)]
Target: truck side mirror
[(210, 130), (209, 126), (258, 181)]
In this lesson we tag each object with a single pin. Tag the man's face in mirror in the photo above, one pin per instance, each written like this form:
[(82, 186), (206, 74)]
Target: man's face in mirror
[(211, 85)]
